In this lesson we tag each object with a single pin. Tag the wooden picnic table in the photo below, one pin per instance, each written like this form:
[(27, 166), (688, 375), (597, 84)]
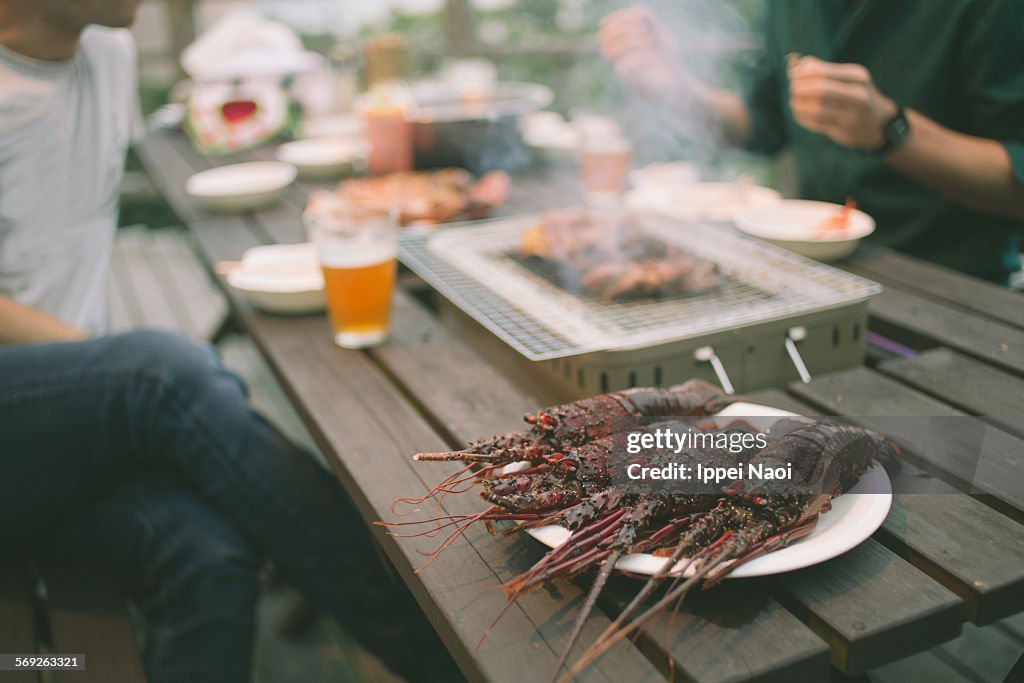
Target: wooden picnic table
[(940, 558)]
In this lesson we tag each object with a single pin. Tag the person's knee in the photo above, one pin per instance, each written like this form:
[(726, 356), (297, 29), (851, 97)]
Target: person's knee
[(176, 362)]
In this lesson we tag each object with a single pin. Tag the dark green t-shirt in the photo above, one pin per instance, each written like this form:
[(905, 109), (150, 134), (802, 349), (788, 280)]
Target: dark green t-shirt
[(959, 62)]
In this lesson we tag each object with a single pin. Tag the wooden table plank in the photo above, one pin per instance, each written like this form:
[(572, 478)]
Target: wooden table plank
[(966, 546), (965, 452), (157, 310), (936, 282), (947, 535), (734, 632), (17, 620), (922, 323), (88, 615), (876, 620), (965, 383)]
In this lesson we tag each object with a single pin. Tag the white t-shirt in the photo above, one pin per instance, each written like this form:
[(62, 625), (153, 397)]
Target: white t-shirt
[(64, 131)]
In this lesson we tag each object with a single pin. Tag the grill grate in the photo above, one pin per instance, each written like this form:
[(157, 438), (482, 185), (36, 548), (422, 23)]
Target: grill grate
[(471, 265)]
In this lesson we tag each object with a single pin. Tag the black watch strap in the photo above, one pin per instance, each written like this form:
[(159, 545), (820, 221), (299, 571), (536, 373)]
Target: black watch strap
[(895, 131)]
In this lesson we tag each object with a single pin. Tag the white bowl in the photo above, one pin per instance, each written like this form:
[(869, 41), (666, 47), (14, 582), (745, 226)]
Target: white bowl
[(794, 224), (324, 158), (241, 187), (281, 278), (346, 125)]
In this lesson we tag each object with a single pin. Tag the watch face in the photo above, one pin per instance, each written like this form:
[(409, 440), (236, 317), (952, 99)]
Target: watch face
[(897, 129)]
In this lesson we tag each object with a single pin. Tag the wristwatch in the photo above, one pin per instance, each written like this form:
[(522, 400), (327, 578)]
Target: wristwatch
[(895, 131)]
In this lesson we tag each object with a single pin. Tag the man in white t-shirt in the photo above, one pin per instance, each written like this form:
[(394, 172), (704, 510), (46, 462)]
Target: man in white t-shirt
[(67, 107), (138, 453)]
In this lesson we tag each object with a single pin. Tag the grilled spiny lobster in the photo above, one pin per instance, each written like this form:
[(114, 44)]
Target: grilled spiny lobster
[(566, 480)]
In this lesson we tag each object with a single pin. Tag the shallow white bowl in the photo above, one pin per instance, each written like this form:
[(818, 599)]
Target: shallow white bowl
[(793, 224), (241, 187), (324, 158), (281, 278)]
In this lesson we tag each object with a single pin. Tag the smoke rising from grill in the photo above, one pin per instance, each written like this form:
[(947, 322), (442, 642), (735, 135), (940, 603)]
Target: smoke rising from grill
[(703, 40)]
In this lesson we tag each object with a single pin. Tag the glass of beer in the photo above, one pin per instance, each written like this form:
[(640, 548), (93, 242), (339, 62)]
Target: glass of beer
[(604, 166), (356, 249)]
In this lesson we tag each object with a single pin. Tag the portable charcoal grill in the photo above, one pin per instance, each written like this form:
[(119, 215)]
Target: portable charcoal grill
[(777, 317)]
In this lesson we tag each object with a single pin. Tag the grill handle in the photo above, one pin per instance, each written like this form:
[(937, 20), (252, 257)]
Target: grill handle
[(794, 335), (706, 354)]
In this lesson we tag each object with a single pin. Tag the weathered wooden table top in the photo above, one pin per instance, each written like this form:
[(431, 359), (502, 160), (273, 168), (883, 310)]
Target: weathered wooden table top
[(941, 556)]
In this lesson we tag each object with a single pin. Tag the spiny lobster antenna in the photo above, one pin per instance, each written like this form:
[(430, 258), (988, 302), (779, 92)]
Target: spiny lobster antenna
[(588, 607), (602, 646), (461, 456)]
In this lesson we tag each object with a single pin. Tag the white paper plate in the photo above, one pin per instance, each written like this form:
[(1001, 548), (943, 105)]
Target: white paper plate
[(241, 187), (701, 201), (854, 516), (325, 157), (281, 278), (793, 224)]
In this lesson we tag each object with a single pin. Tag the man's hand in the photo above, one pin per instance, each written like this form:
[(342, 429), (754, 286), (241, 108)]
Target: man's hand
[(839, 101), (643, 58), (630, 40)]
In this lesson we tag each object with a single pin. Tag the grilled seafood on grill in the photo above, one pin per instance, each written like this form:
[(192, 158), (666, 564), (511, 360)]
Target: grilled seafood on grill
[(565, 477), (607, 257)]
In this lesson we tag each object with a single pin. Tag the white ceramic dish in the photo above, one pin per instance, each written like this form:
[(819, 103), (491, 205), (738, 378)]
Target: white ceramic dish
[(281, 278), (794, 224), (665, 175), (345, 125), (854, 516), (701, 201), (241, 187), (324, 158), (549, 134)]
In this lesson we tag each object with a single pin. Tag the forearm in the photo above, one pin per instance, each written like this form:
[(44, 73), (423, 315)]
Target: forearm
[(723, 108), (20, 324), (975, 172)]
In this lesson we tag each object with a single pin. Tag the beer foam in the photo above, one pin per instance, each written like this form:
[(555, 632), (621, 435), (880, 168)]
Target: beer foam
[(356, 256)]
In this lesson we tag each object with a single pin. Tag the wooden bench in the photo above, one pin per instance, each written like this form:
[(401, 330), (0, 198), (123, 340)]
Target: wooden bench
[(67, 610)]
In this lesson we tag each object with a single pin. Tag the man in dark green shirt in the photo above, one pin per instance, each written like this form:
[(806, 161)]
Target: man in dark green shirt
[(913, 108)]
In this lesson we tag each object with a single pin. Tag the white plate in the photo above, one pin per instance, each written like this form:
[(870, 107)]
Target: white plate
[(281, 278), (701, 201), (854, 516), (325, 157), (241, 187), (793, 224)]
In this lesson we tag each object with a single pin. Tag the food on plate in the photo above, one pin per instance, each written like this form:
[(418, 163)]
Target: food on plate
[(564, 477), (420, 196), (608, 257), (839, 221)]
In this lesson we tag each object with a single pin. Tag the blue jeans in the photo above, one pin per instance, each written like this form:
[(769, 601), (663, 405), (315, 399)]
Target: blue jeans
[(139, 453)]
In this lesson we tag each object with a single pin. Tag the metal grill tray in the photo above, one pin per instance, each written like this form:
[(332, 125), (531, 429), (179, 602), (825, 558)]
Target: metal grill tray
[(470, 265)]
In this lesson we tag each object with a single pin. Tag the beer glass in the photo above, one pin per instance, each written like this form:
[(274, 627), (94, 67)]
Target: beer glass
[(604, 166), (356, 249)]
